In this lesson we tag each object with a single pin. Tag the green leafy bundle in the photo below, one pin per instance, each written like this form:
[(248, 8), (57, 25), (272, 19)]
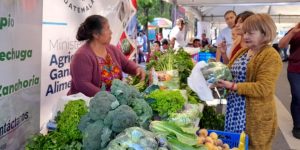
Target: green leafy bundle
[(211, 119), (173, 60), (67, 136), (166, 101), (177, 138), (70, 118)]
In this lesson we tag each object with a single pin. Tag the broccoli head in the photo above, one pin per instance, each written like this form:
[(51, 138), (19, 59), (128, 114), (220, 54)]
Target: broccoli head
[(85, 120), (124, 92), (121, 118), (92, 136), (101, 104), (143, 111)]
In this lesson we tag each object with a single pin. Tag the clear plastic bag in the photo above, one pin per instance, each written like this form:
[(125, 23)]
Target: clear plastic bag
[(215, 71), (204, 77), (198, 84), (60, 105)]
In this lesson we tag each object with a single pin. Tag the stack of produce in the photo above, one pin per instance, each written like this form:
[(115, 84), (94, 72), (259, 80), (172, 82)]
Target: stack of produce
[(211, 141), (173, 60), (110, 114)]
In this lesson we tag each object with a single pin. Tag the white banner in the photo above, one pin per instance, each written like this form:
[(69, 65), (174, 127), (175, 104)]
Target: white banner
[(61, 19), (20, 57)]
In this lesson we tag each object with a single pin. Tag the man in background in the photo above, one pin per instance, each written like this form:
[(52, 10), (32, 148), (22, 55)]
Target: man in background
[(225, 35), (204, 40), (197, 43), (177, 35)]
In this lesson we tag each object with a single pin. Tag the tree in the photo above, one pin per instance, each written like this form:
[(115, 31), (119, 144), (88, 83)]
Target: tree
[(144, 17), (148, 9)]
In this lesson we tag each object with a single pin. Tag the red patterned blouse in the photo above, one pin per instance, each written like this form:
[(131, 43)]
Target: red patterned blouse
[(108, 71)]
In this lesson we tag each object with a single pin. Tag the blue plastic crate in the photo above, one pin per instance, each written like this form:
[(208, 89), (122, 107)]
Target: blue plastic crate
[(205, 56), (232, 139)]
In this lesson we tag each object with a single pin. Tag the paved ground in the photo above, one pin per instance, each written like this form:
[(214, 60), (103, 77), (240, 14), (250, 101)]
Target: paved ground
[(284, 139)]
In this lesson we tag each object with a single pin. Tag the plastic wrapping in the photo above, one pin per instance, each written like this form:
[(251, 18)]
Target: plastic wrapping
[(215, 71), (189, 117), (135, 138), (204, 76), (60, 105), (168, 79)]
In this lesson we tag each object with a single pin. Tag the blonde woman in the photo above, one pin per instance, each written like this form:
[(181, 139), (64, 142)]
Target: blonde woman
[(255, 70)]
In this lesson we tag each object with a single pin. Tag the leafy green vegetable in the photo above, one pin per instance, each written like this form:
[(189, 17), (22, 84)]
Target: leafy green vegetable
[(169, 128), (174, 60), (67, 136), (184, 65), (177, 145), (192, 96), (53, 140), (211, 119), (70, 118), (166, 101), (137, 83)]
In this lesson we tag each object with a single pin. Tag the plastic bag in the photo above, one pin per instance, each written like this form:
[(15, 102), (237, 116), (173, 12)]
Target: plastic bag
[(65, 99), (189, 117), (191, 50), (198, 84), (214, 71), (135, 138), (168, 79), (204, 76)]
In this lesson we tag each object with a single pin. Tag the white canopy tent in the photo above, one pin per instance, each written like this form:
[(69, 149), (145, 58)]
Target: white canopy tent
[(210, 12), (284, 11)]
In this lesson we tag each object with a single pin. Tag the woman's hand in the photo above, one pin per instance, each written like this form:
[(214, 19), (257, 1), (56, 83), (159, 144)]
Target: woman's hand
[(222, 47), (141, 73), (227, 84)]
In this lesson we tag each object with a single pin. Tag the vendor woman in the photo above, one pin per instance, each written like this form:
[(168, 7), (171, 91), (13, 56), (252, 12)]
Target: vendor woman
[(96, 63)]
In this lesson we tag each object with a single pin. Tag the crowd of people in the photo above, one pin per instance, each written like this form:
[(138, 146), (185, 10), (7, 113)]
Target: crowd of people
[(244, 45), (175, 40)]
